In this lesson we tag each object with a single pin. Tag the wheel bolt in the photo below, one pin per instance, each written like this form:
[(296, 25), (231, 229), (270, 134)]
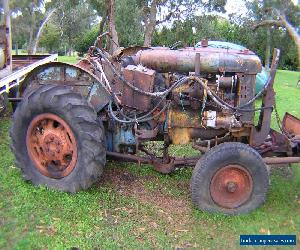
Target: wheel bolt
[(231, 187)]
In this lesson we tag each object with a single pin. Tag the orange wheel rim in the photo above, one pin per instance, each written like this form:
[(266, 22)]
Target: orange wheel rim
[(231, 186), (51, 146)]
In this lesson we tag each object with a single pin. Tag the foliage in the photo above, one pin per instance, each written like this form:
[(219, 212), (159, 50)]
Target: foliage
[(86, 40), (75, 24), (71, 18), (26, 24), (74, 18), (214, 27), (51, 38), (266, 10), (129, 23), (127, 12), (99, 6)]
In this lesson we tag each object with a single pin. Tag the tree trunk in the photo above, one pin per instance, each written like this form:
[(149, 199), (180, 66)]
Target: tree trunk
[(293, 33), (38, 34), (114, 42), (290, 29), (102, 24), (101, 29), (30, 42), (268, 49), (150, 24), (7, 15)]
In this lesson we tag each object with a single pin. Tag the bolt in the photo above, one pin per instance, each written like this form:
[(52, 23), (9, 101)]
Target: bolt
[(231, 187)]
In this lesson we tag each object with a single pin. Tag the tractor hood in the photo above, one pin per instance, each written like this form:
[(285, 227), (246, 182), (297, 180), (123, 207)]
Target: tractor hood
[(212, 60)]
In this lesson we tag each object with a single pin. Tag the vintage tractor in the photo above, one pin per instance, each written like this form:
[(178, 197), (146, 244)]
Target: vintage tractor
[(71, 118)]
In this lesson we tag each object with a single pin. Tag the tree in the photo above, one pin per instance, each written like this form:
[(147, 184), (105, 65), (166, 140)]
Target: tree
[(100, 6), (106, 10), (129, 23), (153, 14), (282, 14), (70, 17), (29, 15), (40, 29), (74, 18), (211, 27), (150, 22), (29, 19), (86, 40), (50, 38), (157, 12), (114, 41)]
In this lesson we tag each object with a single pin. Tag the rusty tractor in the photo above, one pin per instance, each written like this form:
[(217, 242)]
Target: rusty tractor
[(72, 117)]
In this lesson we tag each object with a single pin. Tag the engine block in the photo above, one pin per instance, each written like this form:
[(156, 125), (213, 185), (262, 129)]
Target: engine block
[(181, 95)]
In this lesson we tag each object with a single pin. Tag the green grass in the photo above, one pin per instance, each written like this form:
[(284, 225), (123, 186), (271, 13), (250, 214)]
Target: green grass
[(68, 59), (287, 93), (135, 207)]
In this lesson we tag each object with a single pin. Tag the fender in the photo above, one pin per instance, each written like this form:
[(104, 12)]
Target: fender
[(82, 81)]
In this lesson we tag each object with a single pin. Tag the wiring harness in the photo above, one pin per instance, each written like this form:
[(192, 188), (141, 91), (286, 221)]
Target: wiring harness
[(163, 94)]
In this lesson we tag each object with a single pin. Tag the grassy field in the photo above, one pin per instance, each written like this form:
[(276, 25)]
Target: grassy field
[(134, 207), (68, 59)]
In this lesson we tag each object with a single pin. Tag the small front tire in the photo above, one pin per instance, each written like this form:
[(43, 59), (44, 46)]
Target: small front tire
[(231, 178)]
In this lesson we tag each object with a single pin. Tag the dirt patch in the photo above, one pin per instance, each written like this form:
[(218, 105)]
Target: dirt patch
[(127, 184), (172, 214), (284, 170)]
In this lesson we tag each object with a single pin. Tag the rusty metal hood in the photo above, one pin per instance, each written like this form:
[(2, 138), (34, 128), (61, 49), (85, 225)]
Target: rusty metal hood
[(211, 60)]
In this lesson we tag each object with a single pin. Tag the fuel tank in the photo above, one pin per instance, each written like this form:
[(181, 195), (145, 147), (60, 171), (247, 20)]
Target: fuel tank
[(2, 58), (211, 60)]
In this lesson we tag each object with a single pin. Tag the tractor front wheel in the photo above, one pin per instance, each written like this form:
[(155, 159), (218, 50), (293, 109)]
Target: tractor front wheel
[(231, 178), (57, 139)]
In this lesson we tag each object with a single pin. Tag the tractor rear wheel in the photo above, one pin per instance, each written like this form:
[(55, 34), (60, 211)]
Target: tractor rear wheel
[(57, 139), (231, 178)]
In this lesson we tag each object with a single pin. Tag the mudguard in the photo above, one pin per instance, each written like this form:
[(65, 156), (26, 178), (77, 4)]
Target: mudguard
[(82, 81)]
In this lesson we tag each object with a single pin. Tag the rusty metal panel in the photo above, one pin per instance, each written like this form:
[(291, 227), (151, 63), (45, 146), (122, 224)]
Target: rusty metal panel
[(291, 124), (128, 93), (184, 119), (82, 82), (218, 60), (183, 126), (246, 92), (141, 78), (261, 131)]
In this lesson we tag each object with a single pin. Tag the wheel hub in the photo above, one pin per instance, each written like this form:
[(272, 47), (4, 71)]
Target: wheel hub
[(51, 146), (231, 186)]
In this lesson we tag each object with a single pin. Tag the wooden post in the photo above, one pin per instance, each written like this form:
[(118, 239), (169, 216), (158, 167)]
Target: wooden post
[(8, 35)]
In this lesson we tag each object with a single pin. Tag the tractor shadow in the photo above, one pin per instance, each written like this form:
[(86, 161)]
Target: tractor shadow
[(128, 184)]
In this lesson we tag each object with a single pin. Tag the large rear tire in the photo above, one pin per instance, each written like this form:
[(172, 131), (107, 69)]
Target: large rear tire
[(231, 178), (57, 139)]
